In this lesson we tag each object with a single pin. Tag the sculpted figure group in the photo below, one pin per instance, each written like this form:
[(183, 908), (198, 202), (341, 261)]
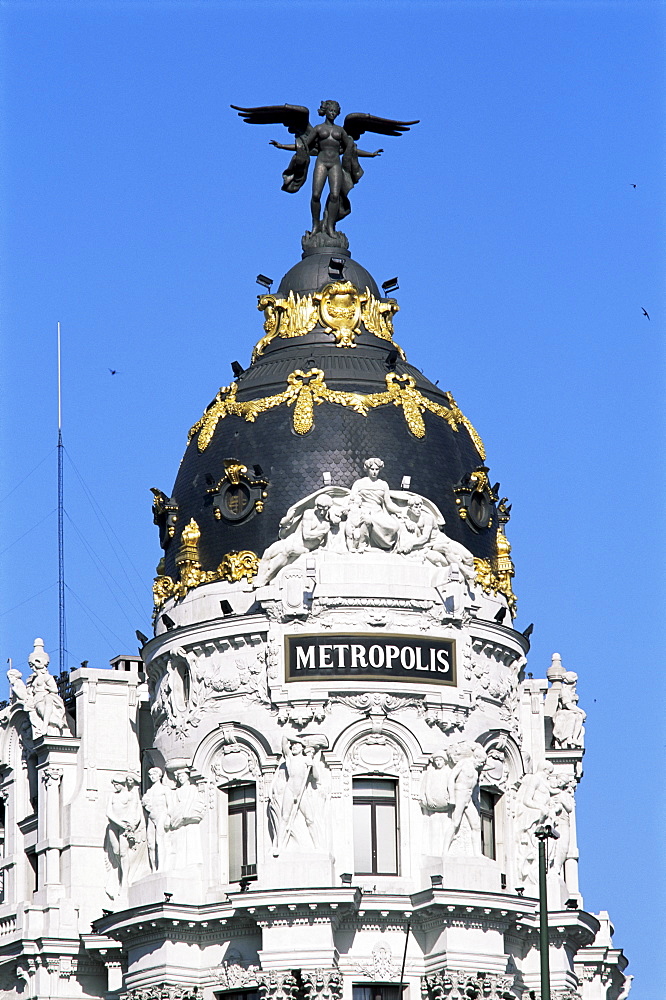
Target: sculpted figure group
[(544, 797), (368, 517), (298, 796), (449, 796), (38, 696), (156, 832)]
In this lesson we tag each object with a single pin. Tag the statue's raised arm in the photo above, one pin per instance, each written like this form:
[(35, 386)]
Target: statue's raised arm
[(336, 153)]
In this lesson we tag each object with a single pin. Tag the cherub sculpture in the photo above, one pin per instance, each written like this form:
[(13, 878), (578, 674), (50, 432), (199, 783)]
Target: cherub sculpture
[(333, 145)]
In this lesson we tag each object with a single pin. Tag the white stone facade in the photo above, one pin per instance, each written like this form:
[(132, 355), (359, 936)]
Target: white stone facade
[(204, 825)]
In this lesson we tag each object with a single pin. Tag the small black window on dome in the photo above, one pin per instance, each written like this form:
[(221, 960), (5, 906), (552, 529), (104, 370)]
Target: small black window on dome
[(479, 509), (236, 499)]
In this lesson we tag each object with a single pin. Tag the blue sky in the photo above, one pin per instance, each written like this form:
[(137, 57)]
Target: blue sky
[(139, 210)]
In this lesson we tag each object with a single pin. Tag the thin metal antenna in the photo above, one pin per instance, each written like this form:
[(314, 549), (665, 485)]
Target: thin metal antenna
[(61, 534)]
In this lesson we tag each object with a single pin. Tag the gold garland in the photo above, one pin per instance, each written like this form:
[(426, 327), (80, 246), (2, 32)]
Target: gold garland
[(305, 390)]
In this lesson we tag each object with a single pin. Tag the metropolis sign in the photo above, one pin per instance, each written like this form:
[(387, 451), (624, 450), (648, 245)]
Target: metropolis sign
[(370, 657)]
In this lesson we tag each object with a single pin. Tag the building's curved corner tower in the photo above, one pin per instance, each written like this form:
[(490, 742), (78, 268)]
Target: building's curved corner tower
[(346, 770)]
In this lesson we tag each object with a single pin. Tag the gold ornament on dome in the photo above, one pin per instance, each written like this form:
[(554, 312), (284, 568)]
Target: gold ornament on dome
[(496, 575), (340, 311), (339, 308), (474, 499), (305, 390), (233, 567), (291, 317), (237, 494), (378, 316)]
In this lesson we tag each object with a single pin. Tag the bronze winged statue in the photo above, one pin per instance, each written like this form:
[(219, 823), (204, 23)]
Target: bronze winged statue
[(333, 145)]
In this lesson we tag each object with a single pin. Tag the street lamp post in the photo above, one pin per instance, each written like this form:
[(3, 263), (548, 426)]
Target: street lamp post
[(543, 834)]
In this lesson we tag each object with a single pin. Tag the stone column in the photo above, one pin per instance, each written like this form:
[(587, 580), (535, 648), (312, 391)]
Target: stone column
[(50, 826)]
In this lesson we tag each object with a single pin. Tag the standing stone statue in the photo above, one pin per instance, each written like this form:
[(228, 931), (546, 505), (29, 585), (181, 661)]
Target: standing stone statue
[(532, 810), (39, 695), (563, 804), (468, 760), (187, 807), (296, 803), (156, 804), (336, 153), (568, 719), (435, 800), (125, 841)]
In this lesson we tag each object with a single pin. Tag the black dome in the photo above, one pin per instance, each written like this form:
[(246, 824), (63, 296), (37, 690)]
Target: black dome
[(312, 273), (434, 454)]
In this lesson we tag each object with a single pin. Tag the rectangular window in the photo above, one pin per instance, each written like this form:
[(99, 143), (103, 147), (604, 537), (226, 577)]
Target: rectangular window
[(376, 991), (487, 813), (242, 812), (238, 995), (375, 827)]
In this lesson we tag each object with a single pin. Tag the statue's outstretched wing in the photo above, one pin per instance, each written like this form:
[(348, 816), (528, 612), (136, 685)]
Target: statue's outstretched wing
[(357, 123), (293, 116)]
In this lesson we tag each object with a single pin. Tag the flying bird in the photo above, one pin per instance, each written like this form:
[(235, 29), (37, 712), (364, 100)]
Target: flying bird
[(633, 185), (501, 615), (528, 631), (645, 312), (114, 371)]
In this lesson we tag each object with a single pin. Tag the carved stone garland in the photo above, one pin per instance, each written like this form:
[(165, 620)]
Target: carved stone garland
[(164, 992)]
